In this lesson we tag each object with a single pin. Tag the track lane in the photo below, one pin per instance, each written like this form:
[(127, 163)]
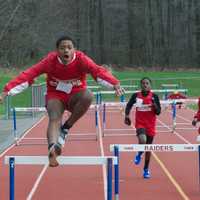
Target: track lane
[(72, 182), (63, 182), (159, 186)]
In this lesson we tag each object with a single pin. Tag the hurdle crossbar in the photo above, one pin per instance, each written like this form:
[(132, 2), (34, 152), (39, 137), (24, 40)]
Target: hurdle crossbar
[(134, 91), (63, 160), (155, 147), (162, 102), (170, 85)]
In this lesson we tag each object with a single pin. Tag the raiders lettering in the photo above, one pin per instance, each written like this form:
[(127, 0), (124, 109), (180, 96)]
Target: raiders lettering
[(159, 148)]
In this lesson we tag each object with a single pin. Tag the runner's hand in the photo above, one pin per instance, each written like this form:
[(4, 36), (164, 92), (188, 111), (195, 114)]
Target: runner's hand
[(127, 121), (119, 90), (194, 122)]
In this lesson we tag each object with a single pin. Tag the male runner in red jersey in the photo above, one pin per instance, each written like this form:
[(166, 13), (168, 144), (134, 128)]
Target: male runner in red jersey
[(147, 107), (197, 116), (66, 70)]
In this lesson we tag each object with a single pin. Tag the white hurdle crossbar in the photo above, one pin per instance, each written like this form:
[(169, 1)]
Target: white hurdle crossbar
[(171, 102), (154, 90), (109, 161), (116, 148), (155, 147)]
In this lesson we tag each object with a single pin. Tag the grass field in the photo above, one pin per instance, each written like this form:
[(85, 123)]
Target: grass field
[(185, 79)]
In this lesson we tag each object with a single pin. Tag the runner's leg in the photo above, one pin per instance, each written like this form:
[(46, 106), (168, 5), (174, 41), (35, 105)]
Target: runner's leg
[(55, 109), (78, 106)]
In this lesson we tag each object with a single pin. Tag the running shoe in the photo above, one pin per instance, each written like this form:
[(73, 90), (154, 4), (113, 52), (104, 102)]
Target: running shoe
[(137, 159), (62, 136), (146, 174), (54, 151)]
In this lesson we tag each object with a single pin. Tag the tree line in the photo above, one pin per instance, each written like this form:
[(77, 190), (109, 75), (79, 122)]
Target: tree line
[(132, 33)]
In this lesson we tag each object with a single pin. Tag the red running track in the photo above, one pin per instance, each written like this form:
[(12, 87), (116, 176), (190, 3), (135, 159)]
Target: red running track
[(174, 175)]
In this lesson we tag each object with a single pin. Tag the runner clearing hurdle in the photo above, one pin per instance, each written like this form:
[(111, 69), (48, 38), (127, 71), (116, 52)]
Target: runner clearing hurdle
[(66, 70), (147, 107)]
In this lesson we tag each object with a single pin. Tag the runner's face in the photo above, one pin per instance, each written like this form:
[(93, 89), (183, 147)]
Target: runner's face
[(66, 51), (146, 85)]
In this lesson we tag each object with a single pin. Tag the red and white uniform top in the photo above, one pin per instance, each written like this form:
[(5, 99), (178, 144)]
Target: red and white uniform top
[(145, 116), (62, 78), (177, 96)]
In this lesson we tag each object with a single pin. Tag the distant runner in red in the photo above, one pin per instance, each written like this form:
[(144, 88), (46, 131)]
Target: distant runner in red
[(197, 116), (177, 95), (147, 107), (66, 69)]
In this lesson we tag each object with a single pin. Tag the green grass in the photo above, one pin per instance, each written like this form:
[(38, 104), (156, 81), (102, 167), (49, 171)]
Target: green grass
[(186, 79), (23, 99)]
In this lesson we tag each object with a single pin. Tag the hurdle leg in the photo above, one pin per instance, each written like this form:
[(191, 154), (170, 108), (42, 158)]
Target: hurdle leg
[(15, 126), (12, 177), (174, 116), (96, 122), (104, 118), (116, 168), (109, 178)]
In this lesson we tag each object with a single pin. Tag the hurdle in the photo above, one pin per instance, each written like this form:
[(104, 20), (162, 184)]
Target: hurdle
[(121, 106), (174, 113), (169, 102), (162, 91), (98, 87), (43, 109), (109, 161), (170, 85), (114, 106), (117, 148)]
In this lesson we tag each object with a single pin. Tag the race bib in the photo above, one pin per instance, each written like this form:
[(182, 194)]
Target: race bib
[(139, 102), (144, 109), (64, 87)]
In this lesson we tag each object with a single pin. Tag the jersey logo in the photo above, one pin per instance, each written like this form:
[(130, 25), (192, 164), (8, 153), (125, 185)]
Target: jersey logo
[(145, 108)]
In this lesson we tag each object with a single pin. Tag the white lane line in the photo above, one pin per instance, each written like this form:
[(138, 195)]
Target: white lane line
[(102, 154), (45, 167), (168, 174), (37, 182), (175, 132)]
